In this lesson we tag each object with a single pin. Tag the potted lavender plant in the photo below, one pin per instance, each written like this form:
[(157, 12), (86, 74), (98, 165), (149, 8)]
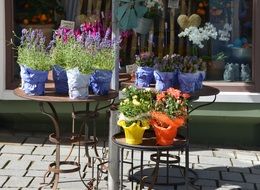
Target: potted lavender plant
[(165, 73), (144, 74), (192, 73), (70, 54), (103, 56), (34, 61), (58, 49)]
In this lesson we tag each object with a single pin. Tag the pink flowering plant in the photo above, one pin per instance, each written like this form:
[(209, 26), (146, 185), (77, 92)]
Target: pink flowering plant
[(68, 52)]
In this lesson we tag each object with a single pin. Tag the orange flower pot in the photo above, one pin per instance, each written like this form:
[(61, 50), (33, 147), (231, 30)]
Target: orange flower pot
[(165, 128)]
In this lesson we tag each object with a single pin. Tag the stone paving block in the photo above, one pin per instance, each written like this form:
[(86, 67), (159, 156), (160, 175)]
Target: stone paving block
[(37, 182), (210, 167), (239, 169), (51, 158), (73, 184), (11, 140), (255, 171), (224, 153), (252, 178), (3, 162), (214, 161), (18, 182), (205, 182), (257, 186), (207, 174), (5, 156), (65, 151), (256, 164), (44, 150), (17, 149), (18, 164), (201, 152), (236, 185), (39, 165), (12, 172), (232, 176), (31, 157), (241, 163), (3, 180), (35, 173), (35, 140), (192, 159), (246, 155)]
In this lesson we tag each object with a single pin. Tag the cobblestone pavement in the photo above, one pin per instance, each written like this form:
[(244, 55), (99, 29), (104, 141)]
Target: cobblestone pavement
[(24, 158)]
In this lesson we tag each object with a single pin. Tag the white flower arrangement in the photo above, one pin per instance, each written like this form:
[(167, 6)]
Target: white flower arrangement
[(154, 3), (198, 35), (224, 35)]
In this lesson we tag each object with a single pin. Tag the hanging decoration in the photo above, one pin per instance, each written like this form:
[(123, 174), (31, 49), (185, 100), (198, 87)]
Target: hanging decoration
[(129, 11)]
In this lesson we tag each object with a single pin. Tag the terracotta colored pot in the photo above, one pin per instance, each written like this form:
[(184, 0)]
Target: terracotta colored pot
[(165, 128), (165, 136)]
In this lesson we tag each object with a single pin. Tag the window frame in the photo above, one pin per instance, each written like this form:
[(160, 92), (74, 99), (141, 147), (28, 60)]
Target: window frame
[(12, 83)]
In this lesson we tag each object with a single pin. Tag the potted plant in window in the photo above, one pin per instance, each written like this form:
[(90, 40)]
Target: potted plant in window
[(170, 113), (134, 113), (34, 61), (144, 24), (144, 74), (191, 74), (166, 72)]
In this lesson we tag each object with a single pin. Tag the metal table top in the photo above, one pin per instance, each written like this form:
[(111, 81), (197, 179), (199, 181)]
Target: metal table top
[(51, 96)]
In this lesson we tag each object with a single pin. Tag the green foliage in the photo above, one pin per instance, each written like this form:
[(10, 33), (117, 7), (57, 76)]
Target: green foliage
[(71, 54), (172, 102), (34, 59), (32, 50), (145, 59), (104, 59), (137, 102)]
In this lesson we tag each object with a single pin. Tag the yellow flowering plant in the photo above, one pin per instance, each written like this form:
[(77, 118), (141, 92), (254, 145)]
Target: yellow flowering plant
[(135, 106)]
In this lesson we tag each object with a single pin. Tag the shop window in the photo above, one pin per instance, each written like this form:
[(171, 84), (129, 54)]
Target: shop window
[(231, 58)]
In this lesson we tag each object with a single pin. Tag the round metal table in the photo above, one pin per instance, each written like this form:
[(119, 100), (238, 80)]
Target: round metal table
[(149, 144), (51, 97)]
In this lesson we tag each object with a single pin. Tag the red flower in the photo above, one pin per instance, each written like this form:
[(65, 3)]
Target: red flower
[(174, 92), (160, 96), (185, 95)]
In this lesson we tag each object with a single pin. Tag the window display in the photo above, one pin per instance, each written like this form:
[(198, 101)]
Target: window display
[(217, 31)]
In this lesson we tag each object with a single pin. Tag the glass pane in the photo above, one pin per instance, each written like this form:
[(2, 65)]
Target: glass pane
[(47, 15), (227, 48)]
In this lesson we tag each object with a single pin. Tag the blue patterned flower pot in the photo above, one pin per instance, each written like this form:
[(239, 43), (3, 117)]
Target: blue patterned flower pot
[(187, 82), (33, 81), (60, 80), (164, 80), (100, 82), (144, 76), (200, 77)]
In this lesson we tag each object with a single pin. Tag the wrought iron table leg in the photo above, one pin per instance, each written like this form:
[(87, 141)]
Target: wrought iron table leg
[(155, 171), (54, 117)]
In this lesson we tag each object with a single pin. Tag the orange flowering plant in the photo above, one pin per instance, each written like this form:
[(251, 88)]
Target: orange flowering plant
[(170, 113), (172, 102)]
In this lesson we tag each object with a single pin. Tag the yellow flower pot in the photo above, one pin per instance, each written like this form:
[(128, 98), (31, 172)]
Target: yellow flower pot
[(134, 133)]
